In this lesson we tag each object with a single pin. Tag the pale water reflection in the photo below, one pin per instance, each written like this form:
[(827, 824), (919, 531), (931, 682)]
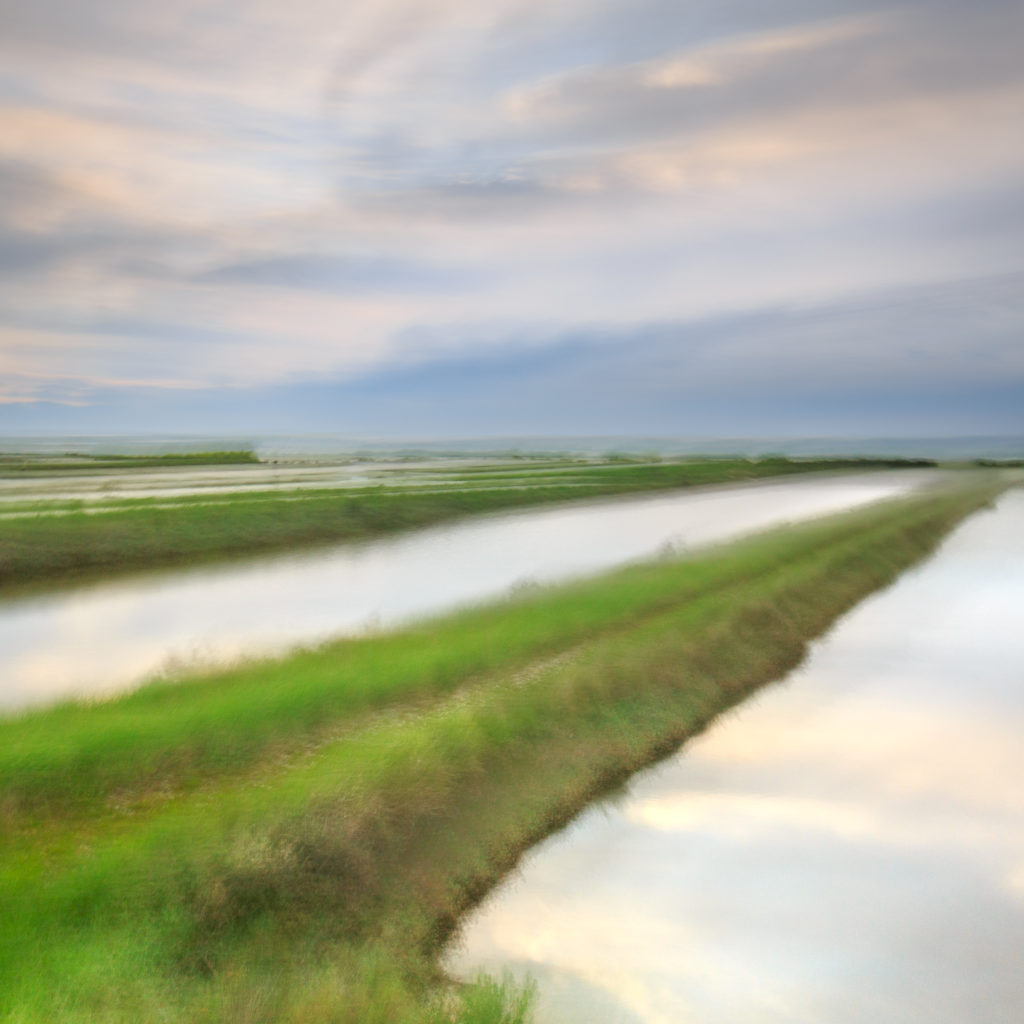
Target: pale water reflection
[(96, 486), (847, 847), (93, 639)]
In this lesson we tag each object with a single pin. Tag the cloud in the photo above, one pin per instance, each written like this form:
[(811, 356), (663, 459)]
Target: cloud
[(888, 363), (338, 274), (683, 117), (251, 195)]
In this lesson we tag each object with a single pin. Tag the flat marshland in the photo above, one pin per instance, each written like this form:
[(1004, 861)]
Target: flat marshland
[(51, 540), (17, 464), (294, 839)]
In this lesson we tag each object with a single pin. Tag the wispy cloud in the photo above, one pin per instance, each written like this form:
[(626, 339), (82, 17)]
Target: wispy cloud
[(210, 194)]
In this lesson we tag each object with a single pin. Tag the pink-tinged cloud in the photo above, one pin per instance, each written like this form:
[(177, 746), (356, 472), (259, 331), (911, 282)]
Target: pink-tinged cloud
[(213, 194)]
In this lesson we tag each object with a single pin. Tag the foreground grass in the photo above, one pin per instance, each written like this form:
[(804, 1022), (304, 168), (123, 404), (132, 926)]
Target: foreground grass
[(46, 549), (293, 841)]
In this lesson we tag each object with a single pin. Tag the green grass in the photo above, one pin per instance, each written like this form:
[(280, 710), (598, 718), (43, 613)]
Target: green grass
[(17, 464), (294, 840), (100, 540)]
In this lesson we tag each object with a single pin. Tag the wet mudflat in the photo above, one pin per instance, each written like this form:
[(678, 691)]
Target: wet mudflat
[(96, 486), (849, 846), (97, 638)]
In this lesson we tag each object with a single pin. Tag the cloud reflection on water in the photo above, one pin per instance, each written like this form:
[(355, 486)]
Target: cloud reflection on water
[(113, 634), (847, 847)]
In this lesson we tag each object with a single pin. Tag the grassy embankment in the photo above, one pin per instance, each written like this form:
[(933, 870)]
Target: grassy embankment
[(14, 464), (119, 536), (293, 840)]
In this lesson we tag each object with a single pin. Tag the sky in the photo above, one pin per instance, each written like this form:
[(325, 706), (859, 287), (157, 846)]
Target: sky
[(448, 218)]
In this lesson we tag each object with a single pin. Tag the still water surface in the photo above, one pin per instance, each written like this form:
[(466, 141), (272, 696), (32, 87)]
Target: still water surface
[(97, 638), (98, 486), (846, 847)]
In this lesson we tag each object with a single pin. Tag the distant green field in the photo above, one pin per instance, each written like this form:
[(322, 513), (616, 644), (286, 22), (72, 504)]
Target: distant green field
[(117, 536), (293, 840), (18, 464)]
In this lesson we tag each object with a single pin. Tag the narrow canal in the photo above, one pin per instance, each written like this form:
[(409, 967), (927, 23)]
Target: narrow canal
[(846, 847), (97, 638)]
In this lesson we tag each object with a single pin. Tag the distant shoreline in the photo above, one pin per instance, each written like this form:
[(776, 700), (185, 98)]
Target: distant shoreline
[(975, 446)]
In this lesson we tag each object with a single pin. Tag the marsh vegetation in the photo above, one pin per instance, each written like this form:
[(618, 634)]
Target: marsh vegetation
[(54, 541), (295, 839)]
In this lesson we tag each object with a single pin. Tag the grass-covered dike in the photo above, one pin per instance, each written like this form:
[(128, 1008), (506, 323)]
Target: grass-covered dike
[(294, 840), (99, 539), (13, 464)]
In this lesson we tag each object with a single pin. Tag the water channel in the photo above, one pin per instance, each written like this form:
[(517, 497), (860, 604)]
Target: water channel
[(848, 846), (94, 639), (98, 486)]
